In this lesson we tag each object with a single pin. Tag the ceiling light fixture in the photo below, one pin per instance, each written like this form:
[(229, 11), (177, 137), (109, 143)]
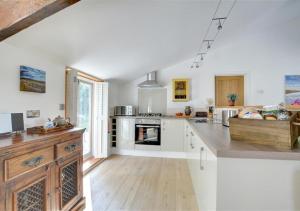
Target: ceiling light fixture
[(220, 26), (193, 65), (201, 54), (220, 22), (208, 43)]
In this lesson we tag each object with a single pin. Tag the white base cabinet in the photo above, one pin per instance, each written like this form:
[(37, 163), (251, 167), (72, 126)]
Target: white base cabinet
[(172, 135), (125, 133), (203, 169)]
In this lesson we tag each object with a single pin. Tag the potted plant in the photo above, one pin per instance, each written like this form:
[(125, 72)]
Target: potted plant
[(231, 99)]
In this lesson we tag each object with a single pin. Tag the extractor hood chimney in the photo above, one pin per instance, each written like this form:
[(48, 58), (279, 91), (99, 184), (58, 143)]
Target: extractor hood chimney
[(150, 82)]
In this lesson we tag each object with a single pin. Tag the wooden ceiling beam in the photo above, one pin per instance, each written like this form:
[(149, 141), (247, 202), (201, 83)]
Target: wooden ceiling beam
[(16, 15)]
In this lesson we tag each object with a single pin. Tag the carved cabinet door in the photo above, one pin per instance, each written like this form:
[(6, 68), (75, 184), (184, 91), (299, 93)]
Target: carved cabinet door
[(69, 182), (30, 191)]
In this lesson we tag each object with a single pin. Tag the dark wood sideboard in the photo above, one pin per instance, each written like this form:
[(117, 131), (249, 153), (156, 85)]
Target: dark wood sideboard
[(42, 172)]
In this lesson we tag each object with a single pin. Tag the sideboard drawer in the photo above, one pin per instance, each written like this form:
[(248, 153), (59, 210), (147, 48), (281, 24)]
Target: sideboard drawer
[(67, 148), (24, 163)]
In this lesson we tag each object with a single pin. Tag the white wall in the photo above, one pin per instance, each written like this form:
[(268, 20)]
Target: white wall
[(13, 100), (113, 95), (264, 57)]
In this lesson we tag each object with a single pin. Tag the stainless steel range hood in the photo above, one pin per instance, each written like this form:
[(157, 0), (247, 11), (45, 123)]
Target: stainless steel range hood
[(150, 82)]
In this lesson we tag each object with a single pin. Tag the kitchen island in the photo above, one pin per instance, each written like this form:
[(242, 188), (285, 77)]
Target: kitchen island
[(232, 175)]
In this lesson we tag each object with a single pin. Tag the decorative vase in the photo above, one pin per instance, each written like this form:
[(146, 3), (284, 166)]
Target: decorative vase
[(210, 109), (188, 110), (231, 102)]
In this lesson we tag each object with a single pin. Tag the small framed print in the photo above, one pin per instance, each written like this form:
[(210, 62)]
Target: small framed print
[(181, 90)]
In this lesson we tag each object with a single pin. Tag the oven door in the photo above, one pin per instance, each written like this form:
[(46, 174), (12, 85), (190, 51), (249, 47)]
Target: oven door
[(147, 134)]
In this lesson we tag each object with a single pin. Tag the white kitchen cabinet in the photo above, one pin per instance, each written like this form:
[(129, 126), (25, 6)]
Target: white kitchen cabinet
[(207, 195), (187, 130), (203, 169), (172, 135), (125, 133)]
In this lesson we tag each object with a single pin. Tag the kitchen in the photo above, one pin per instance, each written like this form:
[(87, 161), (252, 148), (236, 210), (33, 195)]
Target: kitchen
[(150, 105), (217, 162)]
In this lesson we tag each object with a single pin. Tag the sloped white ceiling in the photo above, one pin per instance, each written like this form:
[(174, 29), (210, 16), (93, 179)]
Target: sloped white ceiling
[(124, 39)]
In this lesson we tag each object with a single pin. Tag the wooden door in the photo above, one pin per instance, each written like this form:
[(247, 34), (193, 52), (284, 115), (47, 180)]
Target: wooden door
[(225, 85), (69, 182), (30, 192)]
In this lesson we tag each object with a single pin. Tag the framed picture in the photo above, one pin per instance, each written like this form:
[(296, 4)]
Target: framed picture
[(292, 91), (33, 113), (32, 80), (181, 90)]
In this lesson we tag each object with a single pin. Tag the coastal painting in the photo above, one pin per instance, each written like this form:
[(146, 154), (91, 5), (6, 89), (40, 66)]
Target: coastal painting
[(32, 80), (292, 90)]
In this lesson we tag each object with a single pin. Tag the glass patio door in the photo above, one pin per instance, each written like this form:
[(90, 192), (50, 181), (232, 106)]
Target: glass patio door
[(85, 108)]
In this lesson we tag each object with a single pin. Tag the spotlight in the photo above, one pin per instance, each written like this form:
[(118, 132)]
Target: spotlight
[(201, 56), (219, 22), (208, 43), (220, 25)]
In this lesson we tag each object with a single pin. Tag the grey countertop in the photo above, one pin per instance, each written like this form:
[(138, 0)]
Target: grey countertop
[(217, 138)]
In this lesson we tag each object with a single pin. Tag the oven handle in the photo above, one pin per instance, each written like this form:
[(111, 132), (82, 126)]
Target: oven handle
[(146, 126)]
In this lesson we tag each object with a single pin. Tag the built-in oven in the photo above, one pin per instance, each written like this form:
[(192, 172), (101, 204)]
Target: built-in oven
[(147, 131)]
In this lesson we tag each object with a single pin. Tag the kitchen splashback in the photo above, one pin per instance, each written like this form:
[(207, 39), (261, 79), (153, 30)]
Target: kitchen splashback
[(152, 100)]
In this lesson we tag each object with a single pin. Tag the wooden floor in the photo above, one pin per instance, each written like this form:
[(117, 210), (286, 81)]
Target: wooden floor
[(140, 183)]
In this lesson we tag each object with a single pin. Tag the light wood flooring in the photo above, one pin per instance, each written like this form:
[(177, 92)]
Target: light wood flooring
[(140, 183)]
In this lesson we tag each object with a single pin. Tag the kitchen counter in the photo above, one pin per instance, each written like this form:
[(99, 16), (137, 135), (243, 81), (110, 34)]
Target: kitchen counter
[(217, 139)]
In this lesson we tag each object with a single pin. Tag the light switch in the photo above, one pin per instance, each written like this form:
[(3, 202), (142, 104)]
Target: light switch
[(62, 107)]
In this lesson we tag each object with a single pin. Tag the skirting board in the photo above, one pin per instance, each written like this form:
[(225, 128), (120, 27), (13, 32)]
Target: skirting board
[(146, 153)]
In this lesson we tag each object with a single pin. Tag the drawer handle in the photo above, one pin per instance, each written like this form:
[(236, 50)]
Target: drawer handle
[(34, 162), (71, 147)]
